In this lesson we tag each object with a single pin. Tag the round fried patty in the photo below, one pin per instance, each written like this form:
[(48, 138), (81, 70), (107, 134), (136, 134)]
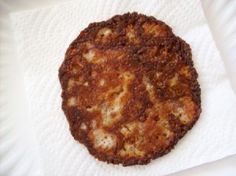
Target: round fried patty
[(129, 89)]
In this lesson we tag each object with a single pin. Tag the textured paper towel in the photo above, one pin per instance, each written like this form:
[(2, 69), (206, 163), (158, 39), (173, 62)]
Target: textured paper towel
[(43, 36)]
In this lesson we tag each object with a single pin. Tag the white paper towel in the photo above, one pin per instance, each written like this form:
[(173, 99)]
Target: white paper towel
[(43, 36)]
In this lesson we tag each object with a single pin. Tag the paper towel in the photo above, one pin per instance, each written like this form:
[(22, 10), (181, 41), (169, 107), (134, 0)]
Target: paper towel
[(43, 36)]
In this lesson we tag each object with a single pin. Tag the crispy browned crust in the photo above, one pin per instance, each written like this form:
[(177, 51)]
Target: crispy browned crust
[(129, 89)]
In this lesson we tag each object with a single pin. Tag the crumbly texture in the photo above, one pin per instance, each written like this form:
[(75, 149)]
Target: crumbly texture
[(129, 89)]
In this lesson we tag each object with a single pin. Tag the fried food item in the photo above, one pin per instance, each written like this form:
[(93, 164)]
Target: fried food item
[(129, 89)]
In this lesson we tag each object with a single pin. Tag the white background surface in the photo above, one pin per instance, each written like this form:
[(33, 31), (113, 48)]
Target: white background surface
[(17, 146)]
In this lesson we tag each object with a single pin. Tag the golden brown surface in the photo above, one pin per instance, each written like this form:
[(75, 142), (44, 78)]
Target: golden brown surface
[(130, 91)]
